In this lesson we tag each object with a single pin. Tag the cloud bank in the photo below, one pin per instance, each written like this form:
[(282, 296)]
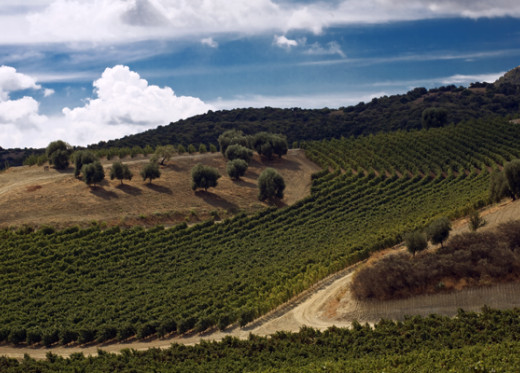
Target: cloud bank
[(112, 21), (124, 103)]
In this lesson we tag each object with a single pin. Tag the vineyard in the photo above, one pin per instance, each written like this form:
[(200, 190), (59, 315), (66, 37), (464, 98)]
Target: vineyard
[(486, 342), (93, 285)]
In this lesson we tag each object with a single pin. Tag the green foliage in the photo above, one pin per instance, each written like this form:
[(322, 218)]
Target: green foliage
[(203, 149), (147, 150), (237, 151), (181, 149), (236, 168), (120, 171), (267, 144), (270, 184), (93, 173), (498, 187), (58, 153), (434, 117), (136, 150), (204, 177), (191, 149), (150, 171), (439, 230), (416, 344), (232, 137), (236, 268), (388, 113), (81, 158), (164, 153), (213, 148), (475, 221), (415, 241), (512, 175)]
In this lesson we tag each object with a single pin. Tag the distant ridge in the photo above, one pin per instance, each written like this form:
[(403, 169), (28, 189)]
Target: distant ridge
[(387, 113), (511, 77)]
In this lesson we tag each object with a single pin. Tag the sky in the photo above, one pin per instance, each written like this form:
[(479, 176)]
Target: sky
[(90, 70)]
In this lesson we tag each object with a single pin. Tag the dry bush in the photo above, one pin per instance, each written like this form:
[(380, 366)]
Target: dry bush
[(468, 258)]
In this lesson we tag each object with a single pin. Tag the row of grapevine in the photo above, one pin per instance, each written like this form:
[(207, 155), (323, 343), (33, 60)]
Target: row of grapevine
[(84, 285), (486, 342)]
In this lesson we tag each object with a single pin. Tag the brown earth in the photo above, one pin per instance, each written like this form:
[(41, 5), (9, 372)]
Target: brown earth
[(37, 196)]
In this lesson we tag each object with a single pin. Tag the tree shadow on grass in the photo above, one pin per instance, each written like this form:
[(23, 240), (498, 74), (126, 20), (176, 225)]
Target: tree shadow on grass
[(241, 182), (281, 164), (128, 189), (276, 202), (216, 200), (99, 191), (159, 188)]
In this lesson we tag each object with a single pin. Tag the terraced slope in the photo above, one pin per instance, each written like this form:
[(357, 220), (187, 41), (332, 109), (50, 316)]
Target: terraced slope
[(88, 284)]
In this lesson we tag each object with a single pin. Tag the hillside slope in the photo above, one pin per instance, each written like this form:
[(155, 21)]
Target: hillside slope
[(387, 113), (34, 196)]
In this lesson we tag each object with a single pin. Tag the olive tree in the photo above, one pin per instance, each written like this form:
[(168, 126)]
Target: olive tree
[(270, 184), (439, 230), (81, 158), (232, 137), (58, 153), (237, 151), (236, 168), (150, 171), (415, 241), (204, 177), (93, 173), (164, 153), (120, 171)]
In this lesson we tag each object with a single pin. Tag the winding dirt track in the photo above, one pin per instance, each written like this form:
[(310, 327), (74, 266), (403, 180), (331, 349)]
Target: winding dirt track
[(329, 303)]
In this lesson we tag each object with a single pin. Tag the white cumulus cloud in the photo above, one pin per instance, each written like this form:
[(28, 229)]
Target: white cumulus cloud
[(209, 42), (19, 114), (11, 80), (282, 42), (124, 103), (123, 97)]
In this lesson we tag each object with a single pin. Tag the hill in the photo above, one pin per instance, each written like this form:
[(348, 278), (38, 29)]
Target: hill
[(177, 279), (38, 197), (387, 113)]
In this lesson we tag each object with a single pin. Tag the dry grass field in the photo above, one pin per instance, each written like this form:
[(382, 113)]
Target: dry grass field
[(36, 196)]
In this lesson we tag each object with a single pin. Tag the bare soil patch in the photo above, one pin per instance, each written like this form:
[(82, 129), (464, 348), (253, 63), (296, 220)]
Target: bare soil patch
[(34, 196)]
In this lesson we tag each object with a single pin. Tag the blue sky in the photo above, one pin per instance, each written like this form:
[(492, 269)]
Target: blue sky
[(86, 71)]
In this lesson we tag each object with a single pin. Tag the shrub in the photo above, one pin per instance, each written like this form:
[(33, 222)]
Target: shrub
[(191, 149), (202, 149), (475, 221)]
